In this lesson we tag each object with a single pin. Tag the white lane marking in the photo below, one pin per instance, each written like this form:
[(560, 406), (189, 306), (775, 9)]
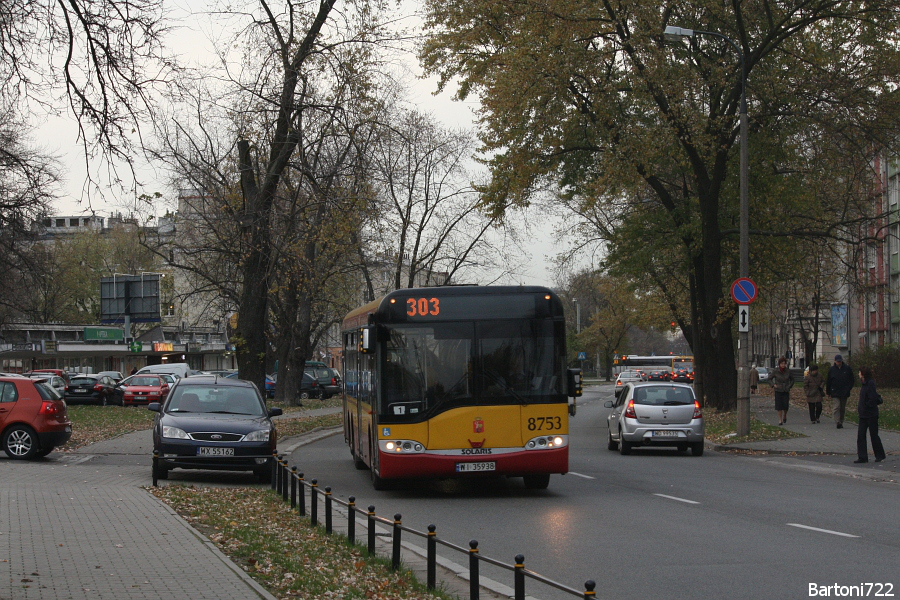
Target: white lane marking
[(823, 530), (676, 498), (580, 475)]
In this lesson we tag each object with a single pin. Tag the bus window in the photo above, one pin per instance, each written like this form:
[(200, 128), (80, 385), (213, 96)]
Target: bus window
[(516, 358), (425, 366)]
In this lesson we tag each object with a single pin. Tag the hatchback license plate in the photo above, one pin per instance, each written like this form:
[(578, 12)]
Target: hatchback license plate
[(207, 451), (474, 467), (136, 398), (665, 434)]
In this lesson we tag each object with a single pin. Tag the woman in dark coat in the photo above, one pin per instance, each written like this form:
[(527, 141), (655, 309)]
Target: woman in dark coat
[(782, 381), (868, 418), (812, 385)]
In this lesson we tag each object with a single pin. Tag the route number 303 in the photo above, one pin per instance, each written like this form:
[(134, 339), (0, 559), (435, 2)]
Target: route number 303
[(544, 423)]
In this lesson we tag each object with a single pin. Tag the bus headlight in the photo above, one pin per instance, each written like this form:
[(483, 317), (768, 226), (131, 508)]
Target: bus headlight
[(546, 442), (401, 446)]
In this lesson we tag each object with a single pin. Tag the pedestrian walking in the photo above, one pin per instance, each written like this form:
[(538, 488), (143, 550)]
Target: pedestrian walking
[(868, 418), (812, 386), (782, 381), (754, 379), (837, 386)]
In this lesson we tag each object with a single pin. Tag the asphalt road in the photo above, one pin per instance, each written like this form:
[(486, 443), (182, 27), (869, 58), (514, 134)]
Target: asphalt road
[(655, 524)]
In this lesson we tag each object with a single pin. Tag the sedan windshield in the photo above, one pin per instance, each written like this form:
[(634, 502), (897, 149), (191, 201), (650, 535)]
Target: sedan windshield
[(215, 400)]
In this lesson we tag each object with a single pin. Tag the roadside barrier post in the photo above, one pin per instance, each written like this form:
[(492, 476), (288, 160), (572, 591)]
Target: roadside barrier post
[(155, 468), (371, 534), (285, 481), (327, 509), (314, 502), (293, 487), (274, 470), (589, 593), (474, 586), (351, 519), (280, 482), (302, 498), (431, 560), (395, 538), (519, 577)]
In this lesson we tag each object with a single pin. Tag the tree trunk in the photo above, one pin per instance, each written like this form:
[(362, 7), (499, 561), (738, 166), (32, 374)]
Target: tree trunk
[(713, 343), (251, 343)]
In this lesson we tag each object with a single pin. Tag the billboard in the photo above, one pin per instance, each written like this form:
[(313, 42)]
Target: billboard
[(839, 325), (134, 296)]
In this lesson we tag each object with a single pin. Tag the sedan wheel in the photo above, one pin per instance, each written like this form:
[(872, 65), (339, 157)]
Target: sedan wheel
[(304, 395), (611, 444), (697, 448), (20, 442), (624, 445)]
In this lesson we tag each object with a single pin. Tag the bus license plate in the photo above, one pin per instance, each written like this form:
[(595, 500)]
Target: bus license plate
[(475, 467), (205, 451), (665, 434)]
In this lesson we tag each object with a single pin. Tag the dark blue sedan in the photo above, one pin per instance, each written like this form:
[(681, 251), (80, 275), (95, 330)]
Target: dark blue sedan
[(210, 422)]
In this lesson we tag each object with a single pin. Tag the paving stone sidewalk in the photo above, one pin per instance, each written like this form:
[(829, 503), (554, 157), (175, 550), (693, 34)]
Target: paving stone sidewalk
[(819, 438), (72, 530)]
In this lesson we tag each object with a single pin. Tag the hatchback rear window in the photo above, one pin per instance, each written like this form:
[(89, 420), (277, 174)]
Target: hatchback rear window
[(663, 396), (82, 380), (46, 391)]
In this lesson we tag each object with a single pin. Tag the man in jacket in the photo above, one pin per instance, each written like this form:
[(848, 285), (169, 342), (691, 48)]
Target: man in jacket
[(838, 385)]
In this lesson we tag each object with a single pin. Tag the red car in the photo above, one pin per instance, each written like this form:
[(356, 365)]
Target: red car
[(144, 389), (33, 418)]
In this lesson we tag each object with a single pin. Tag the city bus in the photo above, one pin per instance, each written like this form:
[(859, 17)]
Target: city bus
[(458, 381), (681, 367)]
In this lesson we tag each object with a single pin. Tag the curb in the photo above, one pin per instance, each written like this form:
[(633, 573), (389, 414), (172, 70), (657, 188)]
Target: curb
[(799, 465), (729, 448), (249, 581)]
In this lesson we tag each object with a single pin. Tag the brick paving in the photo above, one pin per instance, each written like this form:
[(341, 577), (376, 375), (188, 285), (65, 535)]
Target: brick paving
[(71, 529)]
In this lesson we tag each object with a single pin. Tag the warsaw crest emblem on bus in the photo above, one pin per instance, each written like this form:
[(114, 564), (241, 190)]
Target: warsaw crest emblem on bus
[(478, 425)]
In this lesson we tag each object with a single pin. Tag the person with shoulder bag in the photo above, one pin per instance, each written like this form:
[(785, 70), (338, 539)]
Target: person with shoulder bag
[(868, 418), (812, 386), (782, 381)]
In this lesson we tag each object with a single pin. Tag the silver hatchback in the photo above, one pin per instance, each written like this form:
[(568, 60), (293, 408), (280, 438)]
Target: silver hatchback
[(655, 414)]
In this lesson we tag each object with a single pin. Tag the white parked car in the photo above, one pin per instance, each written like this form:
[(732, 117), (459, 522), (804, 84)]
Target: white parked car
[(627, 377)]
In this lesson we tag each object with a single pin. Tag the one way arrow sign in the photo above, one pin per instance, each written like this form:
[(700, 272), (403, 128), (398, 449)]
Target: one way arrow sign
[(743, 318)]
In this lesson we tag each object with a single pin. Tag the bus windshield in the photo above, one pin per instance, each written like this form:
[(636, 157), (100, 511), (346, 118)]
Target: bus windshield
[(428, 365)]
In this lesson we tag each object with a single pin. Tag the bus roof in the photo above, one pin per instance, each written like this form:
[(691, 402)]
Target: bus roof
[(382, 307)]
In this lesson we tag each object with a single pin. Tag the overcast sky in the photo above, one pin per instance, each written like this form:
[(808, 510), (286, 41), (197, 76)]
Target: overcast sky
[(59, 136)]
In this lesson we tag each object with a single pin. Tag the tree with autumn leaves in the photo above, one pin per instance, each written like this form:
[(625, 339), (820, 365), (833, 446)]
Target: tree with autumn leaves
[(641, 135)]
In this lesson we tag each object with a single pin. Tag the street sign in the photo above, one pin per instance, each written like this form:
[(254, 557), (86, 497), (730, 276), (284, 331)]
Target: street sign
[(582, 356), (744, 291), (743, 318)]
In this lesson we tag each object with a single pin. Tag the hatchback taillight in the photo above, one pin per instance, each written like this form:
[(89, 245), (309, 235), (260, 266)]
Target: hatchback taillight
[(698, 414), (49, 408), (333, 382), (98, 387), (629, 410)]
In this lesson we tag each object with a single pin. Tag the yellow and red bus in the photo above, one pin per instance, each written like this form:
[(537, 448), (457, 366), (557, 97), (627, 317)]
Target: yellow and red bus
[(458, 381)]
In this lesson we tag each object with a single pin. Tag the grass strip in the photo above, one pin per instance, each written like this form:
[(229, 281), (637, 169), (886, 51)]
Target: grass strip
[(283, 552), (92, 424), (721, 428)]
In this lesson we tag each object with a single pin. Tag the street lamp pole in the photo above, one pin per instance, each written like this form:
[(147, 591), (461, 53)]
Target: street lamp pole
[(743, 391)]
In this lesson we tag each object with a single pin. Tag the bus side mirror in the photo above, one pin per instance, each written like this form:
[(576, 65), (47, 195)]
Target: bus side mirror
[(573, 383), (367, 339)]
